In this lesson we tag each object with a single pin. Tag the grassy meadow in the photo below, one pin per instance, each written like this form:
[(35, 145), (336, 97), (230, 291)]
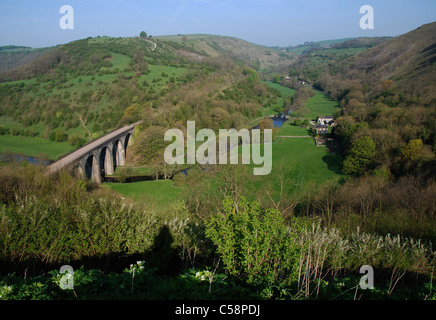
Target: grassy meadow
[(161, 193), (321, 105), (300, 165), (288, 129), (33, 146)]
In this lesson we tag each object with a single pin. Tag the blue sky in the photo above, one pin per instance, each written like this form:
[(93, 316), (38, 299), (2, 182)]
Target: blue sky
[(265, 22)]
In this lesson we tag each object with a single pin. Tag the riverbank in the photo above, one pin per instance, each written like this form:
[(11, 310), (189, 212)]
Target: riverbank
[(35, 147)]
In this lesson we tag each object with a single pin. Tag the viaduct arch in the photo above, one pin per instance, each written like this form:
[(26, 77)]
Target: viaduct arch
[(98, 158)]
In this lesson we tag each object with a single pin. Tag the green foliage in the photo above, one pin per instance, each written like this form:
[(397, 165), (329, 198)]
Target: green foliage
[(3, 130), (412, 149), (44, 221), (134, 282), (60, 135), (123, 173), (150, 144), (76, 141), (360, 156), (254, 244)]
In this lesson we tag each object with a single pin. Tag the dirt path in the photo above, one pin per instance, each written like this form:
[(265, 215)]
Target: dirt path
[(294, 137), (83, 125), (155, 45)]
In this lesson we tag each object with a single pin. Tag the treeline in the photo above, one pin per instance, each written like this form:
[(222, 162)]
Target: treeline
[(361, 42)]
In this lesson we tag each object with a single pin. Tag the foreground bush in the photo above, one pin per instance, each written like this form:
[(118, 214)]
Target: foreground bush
[(310, 261), (45, 222), (255, 244)]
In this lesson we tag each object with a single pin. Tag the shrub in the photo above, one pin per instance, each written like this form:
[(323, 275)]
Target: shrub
[(124, 173), (254, 244), (3, 130), (15, 131), (76, 141), (60, 135)]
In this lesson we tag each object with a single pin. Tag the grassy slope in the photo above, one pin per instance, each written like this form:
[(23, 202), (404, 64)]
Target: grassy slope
[(303, 165), (34, 146), (75, 87), (407, 60), (14, 57), (321, 105), (286, 92), (258, 56), (161, 192)]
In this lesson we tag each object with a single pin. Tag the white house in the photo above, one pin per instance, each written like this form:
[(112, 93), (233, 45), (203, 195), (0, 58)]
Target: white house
[(326, 120)]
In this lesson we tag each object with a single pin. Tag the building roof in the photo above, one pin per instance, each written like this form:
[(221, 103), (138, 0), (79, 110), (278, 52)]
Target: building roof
[(326, 117)]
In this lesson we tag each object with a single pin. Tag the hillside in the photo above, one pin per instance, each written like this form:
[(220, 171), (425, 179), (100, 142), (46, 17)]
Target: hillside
[(408, 61), (388, 95), (80, 90), (12, 57), (314, 58), (365, 42), (241, 51)]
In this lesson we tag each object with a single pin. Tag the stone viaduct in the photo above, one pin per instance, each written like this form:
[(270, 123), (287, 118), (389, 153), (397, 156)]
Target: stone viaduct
[(99, 157)]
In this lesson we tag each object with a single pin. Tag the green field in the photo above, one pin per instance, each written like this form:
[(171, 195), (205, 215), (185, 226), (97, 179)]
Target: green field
[(318, 105), (33, 146), (304, 161), (288, 129), (302, 164), (159, 192), (286, 92), (321, 105)]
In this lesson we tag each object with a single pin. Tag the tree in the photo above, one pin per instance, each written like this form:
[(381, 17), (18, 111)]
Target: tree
[(60, 135), (150, 145), (297, 122), (360, 157), (143, 34), (76, 141), (344, 130), (138, 62), (268, 124), (412, 149)]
